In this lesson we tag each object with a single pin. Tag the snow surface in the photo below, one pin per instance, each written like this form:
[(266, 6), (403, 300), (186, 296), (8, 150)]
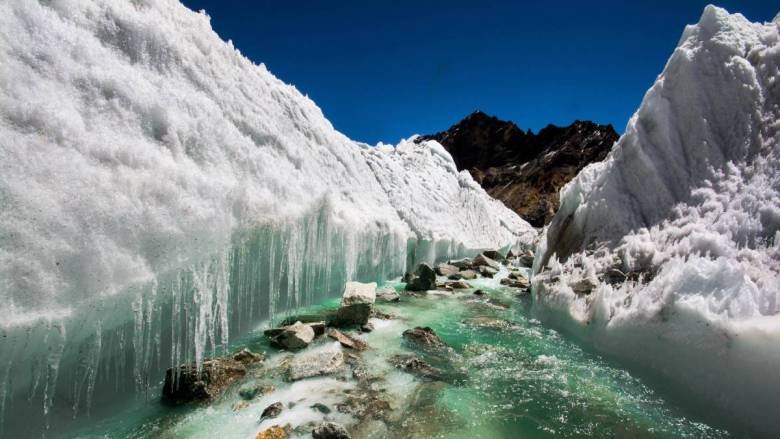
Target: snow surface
[(160, 192), (129, 129), (690, 193)]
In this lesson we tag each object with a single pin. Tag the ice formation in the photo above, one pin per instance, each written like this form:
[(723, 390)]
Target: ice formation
[(688, 199), (161, 193)]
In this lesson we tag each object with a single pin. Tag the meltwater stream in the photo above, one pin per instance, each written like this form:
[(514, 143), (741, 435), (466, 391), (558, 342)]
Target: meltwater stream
[(510, 376)]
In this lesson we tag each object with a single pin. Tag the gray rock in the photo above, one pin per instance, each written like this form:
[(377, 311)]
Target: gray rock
[(468, 274), (322, 408), (463, 264), (351, 315), (443, 269), (251, 391), (424, 337), (479, 293), (387, 294), (486, 271), (493, 254), (347, 340), (423, 279), (484, 261), (458, 285), (272, 411), (584, 285), (247, 357), (185, 383), (330, 430), (359, 293), (414, 365), (521, 283), (309, 364), (296, 336), (526, 259), (368, 327)]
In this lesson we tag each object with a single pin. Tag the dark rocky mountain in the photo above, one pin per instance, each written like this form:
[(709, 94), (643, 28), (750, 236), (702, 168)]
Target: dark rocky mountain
[(520, 168)]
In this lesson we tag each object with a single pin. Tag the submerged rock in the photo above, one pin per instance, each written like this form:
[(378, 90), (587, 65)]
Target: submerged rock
[(424, 337), (320, 407), (489, 323), (251, 391), (443, 269), (272, 411), (423, 279), (479, 293), (330, 430), (296, 336), (414, 365), (347, 340), (315, 363), (365, 403), (186, 384)]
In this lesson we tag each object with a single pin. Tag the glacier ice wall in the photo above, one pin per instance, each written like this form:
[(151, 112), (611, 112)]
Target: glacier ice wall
[(690, 198), (161, 193)]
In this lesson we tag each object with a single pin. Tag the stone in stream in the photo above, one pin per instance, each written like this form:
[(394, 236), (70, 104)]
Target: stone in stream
[(463, 264), (423, 279), (274, 432), (293, 337), (186, 384), (493, 254), (330, 430), (458, 285), (443, 269), (272, 411), (316, 363), (387, 294), (489, 323), (247, 357), (486, 271), (521, 283), (526, 259), (479, 293), (249, 392), (347, 340), (468, 274), (356, 304), (320, 407), (424, 337), (484, 261), (368, 327), (416, 366)]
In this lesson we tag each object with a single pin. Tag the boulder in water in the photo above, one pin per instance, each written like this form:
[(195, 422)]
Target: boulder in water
[(185, 384), (423, 337), (330, 430), (296, 336), (468, 274), (356, 304), (387, 294), (423, 279), (486, 271), (359, 293), (493, 254), (272, 411), (247, 357), (347, 340), (309, 364), (484, 261), (443, 269), (458, 285), (416, 366), (584, 285), (275, 432)]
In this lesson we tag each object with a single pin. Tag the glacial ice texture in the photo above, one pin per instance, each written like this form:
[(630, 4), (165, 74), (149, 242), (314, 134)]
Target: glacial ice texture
[(690, 198), (160, 193)]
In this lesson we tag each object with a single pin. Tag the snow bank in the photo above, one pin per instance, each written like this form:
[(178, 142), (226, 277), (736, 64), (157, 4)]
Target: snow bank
[(160, 188), (688, 199)]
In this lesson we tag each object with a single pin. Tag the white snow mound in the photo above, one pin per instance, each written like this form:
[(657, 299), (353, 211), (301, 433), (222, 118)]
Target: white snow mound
[(689, 201)]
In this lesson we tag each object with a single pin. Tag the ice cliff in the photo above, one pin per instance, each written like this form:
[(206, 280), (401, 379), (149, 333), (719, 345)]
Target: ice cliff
[(161, 193), (687, 207)]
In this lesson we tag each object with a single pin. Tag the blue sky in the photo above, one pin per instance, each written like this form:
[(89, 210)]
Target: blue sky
[(383, 70)]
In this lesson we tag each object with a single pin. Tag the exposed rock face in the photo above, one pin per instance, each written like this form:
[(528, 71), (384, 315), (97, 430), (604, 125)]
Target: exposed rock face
[(520, 168), (185, 384), (356, 304)]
